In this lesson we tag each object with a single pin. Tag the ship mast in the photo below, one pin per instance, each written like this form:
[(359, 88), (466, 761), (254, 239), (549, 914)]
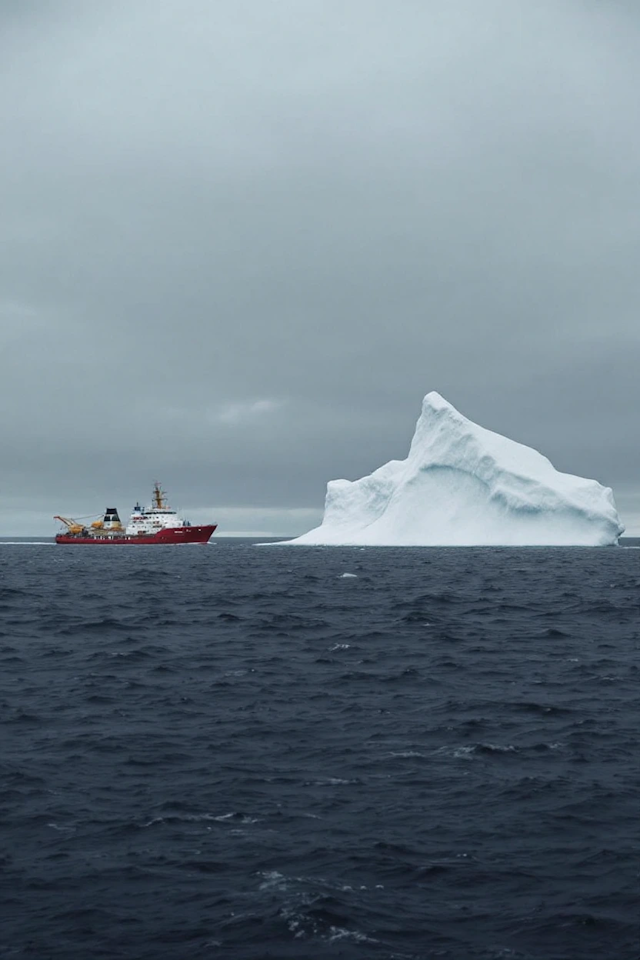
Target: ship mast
[(158, 497)]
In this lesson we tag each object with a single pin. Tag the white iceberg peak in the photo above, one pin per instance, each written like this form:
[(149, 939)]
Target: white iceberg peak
[(464, 485)]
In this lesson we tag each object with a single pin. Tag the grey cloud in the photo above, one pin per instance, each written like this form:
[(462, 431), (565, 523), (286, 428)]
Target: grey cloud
[(241, 240)]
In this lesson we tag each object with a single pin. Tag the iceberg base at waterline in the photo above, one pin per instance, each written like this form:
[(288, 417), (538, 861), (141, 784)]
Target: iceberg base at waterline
[(463, 485)]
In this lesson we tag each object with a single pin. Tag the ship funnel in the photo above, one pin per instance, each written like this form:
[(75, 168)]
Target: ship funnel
[(111, 519)]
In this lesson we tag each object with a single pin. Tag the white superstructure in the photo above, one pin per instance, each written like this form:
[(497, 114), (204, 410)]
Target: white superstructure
[(159, 516)]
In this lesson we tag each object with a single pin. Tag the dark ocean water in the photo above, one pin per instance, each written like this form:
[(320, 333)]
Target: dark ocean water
[(267, 752)]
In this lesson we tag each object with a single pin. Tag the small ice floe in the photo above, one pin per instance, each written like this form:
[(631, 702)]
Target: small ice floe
[(348, 576)]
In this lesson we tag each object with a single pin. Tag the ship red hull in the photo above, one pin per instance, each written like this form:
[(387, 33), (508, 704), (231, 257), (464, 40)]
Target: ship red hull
[(170, 535)]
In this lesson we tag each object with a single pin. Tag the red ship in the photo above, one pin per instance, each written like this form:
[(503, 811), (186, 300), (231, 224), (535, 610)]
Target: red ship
[(157, 524)]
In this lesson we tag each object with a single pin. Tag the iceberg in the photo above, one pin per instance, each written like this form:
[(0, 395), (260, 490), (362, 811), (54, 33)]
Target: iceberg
[(463, 485)]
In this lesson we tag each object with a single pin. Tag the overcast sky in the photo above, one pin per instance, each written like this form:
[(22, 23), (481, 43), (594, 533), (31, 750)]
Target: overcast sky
[(241, 239)]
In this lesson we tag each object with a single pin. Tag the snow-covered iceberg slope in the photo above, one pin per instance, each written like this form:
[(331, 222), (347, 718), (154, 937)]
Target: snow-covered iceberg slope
[(464, 485)]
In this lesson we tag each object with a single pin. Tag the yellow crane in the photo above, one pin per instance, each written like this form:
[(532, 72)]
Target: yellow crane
[(73, 526)]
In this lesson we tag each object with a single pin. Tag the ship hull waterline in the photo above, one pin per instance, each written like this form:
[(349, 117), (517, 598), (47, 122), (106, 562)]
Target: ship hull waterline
[(166, 537)]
